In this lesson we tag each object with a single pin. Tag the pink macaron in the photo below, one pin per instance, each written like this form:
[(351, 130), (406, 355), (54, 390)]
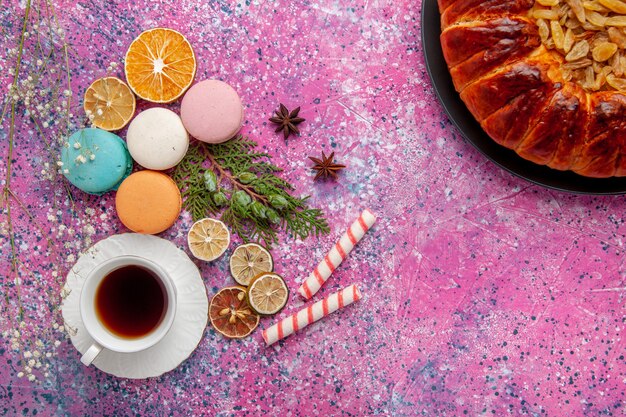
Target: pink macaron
[(212, 112)]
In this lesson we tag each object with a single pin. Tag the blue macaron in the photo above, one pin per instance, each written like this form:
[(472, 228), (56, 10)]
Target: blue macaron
[(96, 161)]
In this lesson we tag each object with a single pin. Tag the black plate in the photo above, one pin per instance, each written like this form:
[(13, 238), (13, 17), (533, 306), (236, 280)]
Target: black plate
[(469, 127)]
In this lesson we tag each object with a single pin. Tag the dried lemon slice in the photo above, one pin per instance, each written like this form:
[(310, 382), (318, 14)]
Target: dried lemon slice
[(208, 239), (110, 102), (230, 313), (268, 293), (160, 65), (248, 261)]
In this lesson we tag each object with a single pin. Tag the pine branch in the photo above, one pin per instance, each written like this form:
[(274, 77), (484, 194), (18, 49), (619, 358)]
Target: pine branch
[(241, 183)]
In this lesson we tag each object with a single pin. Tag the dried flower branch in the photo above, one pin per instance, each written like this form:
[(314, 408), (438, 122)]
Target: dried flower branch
[(40, 99)]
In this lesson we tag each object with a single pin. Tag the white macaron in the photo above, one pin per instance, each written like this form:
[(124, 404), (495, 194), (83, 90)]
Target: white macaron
[(157, 139)]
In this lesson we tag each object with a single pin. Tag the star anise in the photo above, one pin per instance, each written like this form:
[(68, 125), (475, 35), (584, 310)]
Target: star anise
[(325, 167), (287, 121)]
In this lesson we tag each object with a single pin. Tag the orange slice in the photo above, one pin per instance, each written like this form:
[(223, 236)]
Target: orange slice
[(248, 261), (268, 294), (110, 102), (160, 65), (208, 239), (230, 313)]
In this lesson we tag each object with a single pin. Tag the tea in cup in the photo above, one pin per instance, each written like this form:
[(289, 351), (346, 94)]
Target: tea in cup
[(127, 304)]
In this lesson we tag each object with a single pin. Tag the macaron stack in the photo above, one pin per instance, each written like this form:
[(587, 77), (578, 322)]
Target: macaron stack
[(148, 201), (96, 161), (157, 139), (212, 111)]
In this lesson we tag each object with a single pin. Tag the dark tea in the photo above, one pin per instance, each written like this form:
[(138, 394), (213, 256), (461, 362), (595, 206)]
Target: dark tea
[(131, 301)]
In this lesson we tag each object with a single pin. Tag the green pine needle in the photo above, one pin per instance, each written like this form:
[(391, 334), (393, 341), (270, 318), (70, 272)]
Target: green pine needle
[(267, 205)]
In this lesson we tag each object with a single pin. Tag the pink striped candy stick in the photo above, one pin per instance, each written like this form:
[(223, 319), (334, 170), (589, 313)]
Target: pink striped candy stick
[(311, 314), (337, 254)]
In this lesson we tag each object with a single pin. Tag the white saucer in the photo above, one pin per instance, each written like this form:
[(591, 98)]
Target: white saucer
[(191, 311)]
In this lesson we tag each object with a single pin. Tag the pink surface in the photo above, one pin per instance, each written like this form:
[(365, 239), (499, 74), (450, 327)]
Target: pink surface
[(484, 294), (212, 111)]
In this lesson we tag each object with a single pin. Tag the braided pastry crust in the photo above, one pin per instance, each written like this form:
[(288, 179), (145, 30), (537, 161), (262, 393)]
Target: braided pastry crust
[(515, 87)]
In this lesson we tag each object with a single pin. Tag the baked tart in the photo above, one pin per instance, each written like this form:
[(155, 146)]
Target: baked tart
[(545, 78)]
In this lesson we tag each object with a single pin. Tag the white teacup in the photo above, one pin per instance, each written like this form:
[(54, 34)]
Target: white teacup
[(103, 337)]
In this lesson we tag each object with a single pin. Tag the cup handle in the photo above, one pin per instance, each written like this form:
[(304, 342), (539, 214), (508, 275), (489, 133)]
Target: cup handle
[(91, 354)]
